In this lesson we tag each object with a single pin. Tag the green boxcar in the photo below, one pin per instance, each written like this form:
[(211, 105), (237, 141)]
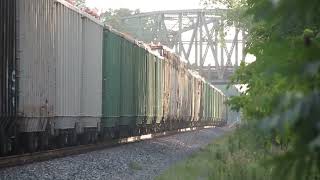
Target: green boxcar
[(140, 87), (127, 112), (217, 105), (204, 103), (213, 105), (210, 106), (140, 83), (208, 103), (111, 79), (200, 102)]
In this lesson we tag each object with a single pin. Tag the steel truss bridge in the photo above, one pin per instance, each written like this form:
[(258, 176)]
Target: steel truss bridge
[(212, 45)]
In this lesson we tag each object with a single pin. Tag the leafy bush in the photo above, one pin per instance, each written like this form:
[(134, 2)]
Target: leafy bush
[(283, 83)]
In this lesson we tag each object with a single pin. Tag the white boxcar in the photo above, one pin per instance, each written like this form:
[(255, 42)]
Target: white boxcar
[(36, 59), (91, 91), (60, 57), (79, 69), (68, 52)]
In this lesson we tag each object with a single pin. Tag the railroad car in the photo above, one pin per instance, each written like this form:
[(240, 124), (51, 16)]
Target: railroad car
[(67, 79), (8, 74), (60, 57)]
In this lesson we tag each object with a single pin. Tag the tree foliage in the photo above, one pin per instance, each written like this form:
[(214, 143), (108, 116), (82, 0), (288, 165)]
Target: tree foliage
[(80, 3), (283, 83), (139, 29), (113, 17)]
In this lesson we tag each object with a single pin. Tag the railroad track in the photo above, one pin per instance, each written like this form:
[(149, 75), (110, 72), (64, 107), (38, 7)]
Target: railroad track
[(23, 159)]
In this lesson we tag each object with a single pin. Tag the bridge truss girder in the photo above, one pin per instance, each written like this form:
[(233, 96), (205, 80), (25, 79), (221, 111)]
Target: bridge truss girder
[(197, 35)]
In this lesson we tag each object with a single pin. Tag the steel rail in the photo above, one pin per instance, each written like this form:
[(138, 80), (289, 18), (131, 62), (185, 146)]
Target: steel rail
[(23, 159)]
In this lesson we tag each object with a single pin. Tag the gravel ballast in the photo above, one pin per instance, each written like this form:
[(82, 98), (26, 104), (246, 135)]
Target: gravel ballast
[(142, 160)]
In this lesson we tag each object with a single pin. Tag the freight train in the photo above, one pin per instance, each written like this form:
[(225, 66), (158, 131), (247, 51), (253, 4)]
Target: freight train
[(67, 79)]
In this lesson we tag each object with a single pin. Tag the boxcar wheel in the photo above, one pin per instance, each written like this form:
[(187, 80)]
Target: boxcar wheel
[(162, 126), (107, 133), (91, 137), (116, 133), (3, 143), (95, 136), (16, 146), (44, 140), (84, 138), (72, 137), (135, 131), (62, 140), (33, 142)]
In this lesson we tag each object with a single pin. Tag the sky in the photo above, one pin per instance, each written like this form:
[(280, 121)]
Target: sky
[(145, 5)]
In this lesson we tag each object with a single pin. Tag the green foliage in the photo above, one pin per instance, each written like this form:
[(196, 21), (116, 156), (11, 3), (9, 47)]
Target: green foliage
[(114, 18), (80, 3), (236, 156), (283, 83), (135, 166)]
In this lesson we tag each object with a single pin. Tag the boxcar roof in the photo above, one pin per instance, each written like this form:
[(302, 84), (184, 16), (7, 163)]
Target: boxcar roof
[(79, 11)]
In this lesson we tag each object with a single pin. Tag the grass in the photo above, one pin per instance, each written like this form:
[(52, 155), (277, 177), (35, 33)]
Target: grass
[(236, 156), (135, 166)]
